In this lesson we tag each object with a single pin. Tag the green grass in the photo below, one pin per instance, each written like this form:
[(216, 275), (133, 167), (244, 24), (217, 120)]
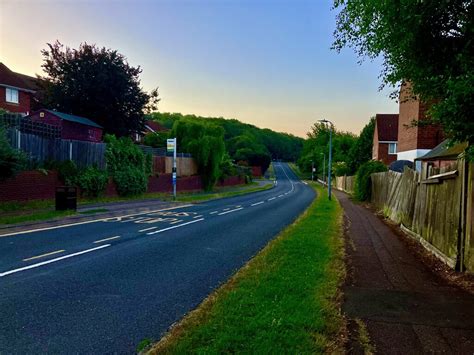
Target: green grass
[(285, 300), (203, 196), (299, 173), (36, 216)]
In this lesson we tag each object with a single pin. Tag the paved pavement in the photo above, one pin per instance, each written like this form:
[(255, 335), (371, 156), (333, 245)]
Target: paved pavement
[(102, 286), (407, 308)]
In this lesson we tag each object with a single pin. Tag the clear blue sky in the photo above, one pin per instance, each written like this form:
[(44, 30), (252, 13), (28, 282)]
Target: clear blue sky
[(264, 62)]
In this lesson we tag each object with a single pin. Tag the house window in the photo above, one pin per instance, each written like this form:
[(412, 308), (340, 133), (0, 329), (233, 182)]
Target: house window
[(392, 148), (11, 95)]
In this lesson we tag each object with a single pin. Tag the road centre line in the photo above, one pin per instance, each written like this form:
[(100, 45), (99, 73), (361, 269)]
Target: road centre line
[(179, 225), (88, 222), (235, 210), (270, 199), (43, 255), (104, 240), (197, 216), (258, 203), (52, 260), (213, 212), (226, 209), (280, 195), (147, 229)]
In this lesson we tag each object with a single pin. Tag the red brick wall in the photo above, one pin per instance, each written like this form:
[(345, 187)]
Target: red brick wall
[(34, 185), (24, 102), (256, 171), (383, 155), (29, 185), (422, 137)]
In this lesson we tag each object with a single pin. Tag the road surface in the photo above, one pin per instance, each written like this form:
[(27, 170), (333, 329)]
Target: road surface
[(103, 286)]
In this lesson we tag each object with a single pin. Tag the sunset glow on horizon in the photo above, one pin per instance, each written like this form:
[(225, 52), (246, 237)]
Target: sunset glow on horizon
[(266, 63)]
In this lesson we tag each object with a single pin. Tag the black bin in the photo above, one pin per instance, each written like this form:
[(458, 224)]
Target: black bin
[(66, 198)]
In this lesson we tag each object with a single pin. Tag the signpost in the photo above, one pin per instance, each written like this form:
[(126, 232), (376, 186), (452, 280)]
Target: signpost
[(171, 146)]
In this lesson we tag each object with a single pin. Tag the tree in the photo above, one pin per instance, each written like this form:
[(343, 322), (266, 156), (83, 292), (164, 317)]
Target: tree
[(206, 144), (97, 83), (11, 160), (425, 42), (361, 151)]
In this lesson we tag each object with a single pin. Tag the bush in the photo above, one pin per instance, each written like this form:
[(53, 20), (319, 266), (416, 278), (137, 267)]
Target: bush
[(155, 140), (363, 183), (12, 161), (92, 181), (128, 165), (67, 170), (130, 181)]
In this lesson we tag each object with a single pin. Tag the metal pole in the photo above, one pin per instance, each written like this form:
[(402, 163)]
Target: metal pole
[(330, 161), (312, 170), (324, 168), (174, 168)]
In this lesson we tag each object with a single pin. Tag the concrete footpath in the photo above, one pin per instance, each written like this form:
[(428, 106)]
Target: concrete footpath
[(407, 309)]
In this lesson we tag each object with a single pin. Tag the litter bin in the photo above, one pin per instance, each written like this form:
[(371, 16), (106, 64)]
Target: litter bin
[(66, 198)]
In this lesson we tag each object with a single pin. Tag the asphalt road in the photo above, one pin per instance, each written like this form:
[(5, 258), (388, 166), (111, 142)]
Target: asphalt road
[(103, 286)]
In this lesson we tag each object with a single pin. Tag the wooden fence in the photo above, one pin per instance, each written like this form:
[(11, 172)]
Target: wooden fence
[(42, 149), (431, 210), (344, 183)]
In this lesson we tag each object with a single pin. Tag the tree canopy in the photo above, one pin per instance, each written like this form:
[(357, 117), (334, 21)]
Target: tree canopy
[(425, 42), (244, 142), (97, 83)]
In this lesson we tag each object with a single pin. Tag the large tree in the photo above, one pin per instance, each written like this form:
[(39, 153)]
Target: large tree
[(426, 42), (97, 83), (361, 151)]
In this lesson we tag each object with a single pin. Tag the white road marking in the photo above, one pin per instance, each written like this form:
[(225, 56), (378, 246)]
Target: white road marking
[(213, 212), (147, 229), (280, 195), (237, 209), (258, 203), (52, 260), (179, 225), (87, 222), (43, 255), (104, 240), (270, 199), (226, 209), (304, 182), (197, 216)]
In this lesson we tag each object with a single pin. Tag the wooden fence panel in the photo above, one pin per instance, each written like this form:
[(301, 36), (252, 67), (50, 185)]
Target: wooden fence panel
[(431, 211)]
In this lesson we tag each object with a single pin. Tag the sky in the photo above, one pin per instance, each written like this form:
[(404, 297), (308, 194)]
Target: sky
[(264, 62)]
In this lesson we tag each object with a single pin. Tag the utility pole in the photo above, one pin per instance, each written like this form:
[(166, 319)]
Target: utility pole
[(330, 154)]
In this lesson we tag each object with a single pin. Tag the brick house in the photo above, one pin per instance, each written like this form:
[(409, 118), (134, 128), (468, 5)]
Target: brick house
[(415, 141), (385, 138), (16, 91), (72, 127)]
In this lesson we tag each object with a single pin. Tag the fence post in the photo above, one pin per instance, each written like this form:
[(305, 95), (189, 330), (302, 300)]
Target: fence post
[(18, 141), (70, 150)]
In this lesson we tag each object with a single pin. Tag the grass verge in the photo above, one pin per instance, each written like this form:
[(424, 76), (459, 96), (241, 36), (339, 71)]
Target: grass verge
[(32, 217), (299, 173), (285, 300)]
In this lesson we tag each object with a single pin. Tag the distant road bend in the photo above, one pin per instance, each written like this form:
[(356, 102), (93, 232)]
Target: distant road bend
[(104, 286)]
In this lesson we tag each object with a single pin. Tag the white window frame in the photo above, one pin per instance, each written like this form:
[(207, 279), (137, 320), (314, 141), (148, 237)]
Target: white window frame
[(12, 95), (394, 150)]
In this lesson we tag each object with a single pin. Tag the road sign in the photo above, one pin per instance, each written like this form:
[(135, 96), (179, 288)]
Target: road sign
[(170, 145)]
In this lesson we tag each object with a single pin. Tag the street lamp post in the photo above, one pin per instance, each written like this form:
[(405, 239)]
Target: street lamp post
[(330, 155), (324, 167)]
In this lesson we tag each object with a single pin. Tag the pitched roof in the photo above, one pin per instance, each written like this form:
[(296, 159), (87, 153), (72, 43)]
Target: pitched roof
[(73, 118), (10, 78), (154, 126), (387, 126), (444, 150)]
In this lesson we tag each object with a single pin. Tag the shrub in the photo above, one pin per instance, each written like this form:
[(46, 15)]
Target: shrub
[(67, 171), (11, 160), (128, 165), (363, 183), (92, 181), (155, 140), (130, 181)]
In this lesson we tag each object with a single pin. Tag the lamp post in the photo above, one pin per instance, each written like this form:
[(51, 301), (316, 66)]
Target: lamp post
[(330, 155), (324, 168), (312, 170)]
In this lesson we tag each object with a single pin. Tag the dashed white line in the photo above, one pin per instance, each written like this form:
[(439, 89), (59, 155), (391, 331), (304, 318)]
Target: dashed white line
[(270, 199), (257, 203), (197, 216), (43, 255), (235, 210), (147, 229), (213, 212), (280, 195), (52, 260), (179, 225), (226, 209), (106, 239)]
